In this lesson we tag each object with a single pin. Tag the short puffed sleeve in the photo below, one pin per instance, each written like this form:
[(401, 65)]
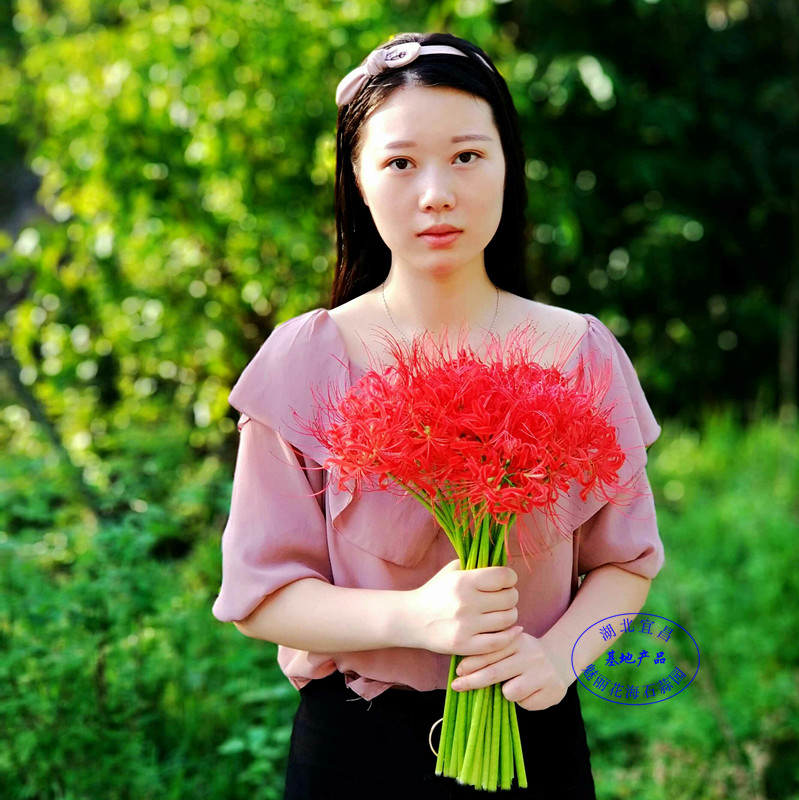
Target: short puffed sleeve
[(624, 534), (275, 533)]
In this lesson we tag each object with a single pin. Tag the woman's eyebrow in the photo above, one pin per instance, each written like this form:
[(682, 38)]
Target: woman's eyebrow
[(468, 137)]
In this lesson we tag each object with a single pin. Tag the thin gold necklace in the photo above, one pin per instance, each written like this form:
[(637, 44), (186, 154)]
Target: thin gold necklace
[(383, 293)]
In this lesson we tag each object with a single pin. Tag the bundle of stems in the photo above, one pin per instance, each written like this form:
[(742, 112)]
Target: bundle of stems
[(480, 745)]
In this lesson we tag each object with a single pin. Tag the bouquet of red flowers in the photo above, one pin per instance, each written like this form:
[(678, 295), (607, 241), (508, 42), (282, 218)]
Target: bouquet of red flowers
[(478, 442)]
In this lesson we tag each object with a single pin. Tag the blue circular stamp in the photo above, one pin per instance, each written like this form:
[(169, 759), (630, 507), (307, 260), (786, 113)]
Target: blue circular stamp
[(652, 660)]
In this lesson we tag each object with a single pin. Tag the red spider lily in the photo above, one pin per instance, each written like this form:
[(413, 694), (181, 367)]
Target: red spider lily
[(479, 442)]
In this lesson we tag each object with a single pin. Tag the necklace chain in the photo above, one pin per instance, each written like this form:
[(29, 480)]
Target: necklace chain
[(383, 293)]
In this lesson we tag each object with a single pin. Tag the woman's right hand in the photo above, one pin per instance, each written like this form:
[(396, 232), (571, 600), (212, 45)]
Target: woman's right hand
[(466, 612)]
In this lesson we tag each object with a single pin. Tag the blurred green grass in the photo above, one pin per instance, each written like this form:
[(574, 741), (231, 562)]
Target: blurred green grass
[(727, 504)]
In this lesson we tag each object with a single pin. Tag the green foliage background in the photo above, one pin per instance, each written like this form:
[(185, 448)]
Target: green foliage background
[(186, 154)]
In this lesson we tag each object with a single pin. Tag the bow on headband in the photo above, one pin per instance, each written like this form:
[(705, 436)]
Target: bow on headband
[(388, 58)]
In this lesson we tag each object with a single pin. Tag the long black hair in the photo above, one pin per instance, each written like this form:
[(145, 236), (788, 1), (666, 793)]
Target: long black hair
[(363, 259)]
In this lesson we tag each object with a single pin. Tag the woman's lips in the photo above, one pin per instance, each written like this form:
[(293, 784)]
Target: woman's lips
[(440, 239)]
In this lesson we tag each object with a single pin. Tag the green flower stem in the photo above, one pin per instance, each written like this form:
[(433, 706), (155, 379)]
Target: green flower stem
[(506, 760), (448, 723), (483, 752), (496, 735), (467, 773), (517, 748), (488, 754), (462, 731), (480, 745)]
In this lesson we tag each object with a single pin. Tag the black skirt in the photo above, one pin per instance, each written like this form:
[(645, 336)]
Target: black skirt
[(346, 748)]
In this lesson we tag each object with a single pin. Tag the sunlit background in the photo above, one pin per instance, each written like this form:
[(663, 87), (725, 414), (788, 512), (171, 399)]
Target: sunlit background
[(166, 198)]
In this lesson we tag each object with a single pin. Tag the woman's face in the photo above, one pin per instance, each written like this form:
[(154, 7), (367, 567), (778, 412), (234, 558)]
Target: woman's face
[(413, 175)]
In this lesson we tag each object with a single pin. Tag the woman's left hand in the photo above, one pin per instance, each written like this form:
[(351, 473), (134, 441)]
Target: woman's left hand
[(533, 673)]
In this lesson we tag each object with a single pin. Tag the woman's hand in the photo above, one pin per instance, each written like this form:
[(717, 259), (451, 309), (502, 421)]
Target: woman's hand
[(465, 612), (533, 672)]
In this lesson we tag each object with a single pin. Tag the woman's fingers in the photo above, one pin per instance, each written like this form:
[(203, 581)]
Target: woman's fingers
[(500, 600), (497, 642), (482, 665), (499, 621)]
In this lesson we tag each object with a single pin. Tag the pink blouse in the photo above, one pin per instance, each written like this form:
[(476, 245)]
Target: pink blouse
[(285, 525)]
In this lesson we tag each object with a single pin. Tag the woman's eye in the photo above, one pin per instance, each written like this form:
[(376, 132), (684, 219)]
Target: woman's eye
[(405, 160), (469, 153)]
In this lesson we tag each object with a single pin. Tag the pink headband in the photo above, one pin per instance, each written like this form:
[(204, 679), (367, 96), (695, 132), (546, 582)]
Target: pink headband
[(388, 58)]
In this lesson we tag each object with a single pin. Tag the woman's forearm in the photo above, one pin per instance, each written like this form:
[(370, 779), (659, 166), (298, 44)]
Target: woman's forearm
[(313, 615), (605, 591)]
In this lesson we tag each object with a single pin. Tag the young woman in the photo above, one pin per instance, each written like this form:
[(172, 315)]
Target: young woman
[(360, 590)]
